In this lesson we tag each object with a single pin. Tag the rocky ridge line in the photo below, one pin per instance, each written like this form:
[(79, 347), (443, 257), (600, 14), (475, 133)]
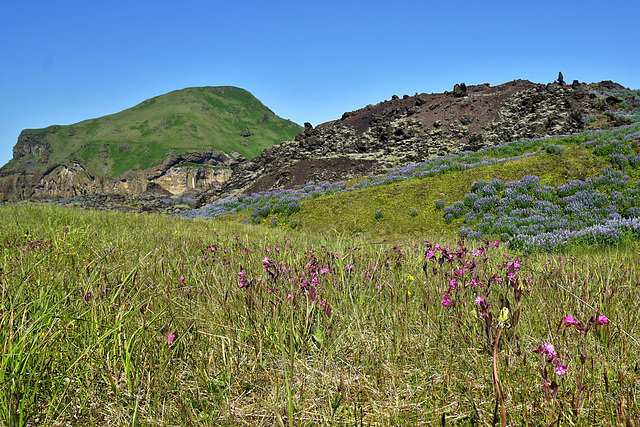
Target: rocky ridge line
[(415, 128)]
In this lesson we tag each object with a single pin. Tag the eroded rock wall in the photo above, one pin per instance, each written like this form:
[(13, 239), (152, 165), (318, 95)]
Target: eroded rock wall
[(178, 174)]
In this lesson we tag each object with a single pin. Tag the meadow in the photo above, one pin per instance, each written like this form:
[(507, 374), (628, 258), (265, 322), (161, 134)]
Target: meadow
[(495, 287), (118, 319)]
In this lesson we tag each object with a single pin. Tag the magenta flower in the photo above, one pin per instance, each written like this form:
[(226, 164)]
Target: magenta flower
[(570, 321), (602, 319), (452, 283), (549, 350), (495, 243), (446, 302), (430, 254), (478, 300), (171, 337), (561, 369), (266, 260)]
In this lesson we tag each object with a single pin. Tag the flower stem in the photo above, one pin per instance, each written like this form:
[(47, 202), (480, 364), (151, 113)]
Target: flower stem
[(496, 380)]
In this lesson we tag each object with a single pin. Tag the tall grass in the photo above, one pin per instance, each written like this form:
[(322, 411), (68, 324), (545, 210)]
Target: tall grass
[(115, 319)]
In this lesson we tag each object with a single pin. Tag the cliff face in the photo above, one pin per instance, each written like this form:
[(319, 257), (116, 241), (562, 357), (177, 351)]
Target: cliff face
[(414, 128), (177, 175)]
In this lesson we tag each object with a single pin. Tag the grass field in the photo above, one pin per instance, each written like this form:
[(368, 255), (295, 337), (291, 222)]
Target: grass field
[(346, 304), (117, 319)]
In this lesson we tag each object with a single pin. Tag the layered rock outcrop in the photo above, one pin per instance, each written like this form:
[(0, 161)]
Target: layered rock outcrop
[(178, 174)]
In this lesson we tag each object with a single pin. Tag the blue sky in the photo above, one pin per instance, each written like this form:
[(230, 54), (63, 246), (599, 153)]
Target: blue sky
[(309, 61)]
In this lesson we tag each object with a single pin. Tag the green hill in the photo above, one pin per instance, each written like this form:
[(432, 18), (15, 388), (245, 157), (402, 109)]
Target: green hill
[(192, 119)]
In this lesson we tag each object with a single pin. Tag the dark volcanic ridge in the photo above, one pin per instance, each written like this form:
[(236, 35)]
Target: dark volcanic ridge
[(415, 128)]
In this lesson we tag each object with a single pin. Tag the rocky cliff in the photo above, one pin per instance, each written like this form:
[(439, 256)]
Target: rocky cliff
[(414, 128), (178, 174)]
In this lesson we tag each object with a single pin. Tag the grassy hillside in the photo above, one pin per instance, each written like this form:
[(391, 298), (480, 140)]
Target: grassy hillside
[(549, 193), (117, 319), (193, 119)]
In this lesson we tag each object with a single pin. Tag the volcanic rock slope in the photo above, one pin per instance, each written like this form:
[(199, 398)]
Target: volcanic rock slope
[(179, 141), (414, 128)]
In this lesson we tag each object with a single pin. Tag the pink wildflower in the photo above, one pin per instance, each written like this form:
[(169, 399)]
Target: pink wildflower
[(171, 337), (549, 350), (495, 243), (478, 300), (430, 254), (561, 369), (570, 321), (602, 319), (446, 302)]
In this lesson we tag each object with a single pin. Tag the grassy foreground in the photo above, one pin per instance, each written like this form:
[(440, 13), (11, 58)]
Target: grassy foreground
[(116, 319)]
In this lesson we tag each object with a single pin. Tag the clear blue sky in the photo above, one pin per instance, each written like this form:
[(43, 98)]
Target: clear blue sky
[(309, 61)]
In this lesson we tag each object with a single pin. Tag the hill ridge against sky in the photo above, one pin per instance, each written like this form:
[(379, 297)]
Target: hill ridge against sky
[(308, 61)]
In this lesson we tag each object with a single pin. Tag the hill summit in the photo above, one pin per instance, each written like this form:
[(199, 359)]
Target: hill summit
[(181, 140)]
